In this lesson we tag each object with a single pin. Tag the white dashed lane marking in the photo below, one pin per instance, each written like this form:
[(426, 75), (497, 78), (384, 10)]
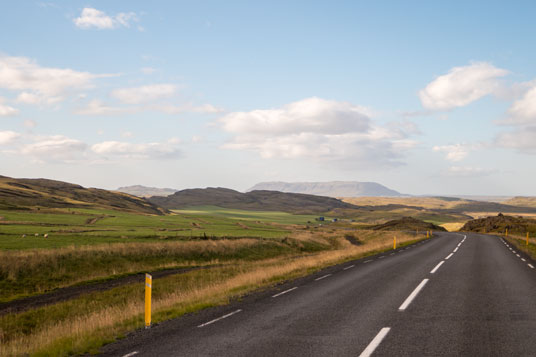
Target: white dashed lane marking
[(375, 342), (220, 318), (322, 277), (284, 292), (413, 295)]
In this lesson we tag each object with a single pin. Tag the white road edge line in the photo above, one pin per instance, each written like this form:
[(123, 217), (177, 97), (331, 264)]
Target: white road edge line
[(437, 267), (375, 342), (383, 256), (448, 256), (349, 267), (322, 277), (131, 354), (367, 261), (523, 259), (517, 255), (531, 266), (412, 296), (455, 250), (284, 292), (220, 318)]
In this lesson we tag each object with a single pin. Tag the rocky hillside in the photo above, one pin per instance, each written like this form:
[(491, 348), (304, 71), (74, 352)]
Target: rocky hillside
[(20, 193), (499, 224), (254, 200), (331, 189)]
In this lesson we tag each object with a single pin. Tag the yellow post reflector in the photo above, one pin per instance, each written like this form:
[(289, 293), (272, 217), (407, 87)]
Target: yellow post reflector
[(148, 290), (394, 242)]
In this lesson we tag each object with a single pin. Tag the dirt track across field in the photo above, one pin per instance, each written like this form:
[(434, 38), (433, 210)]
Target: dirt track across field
[(71, 292)]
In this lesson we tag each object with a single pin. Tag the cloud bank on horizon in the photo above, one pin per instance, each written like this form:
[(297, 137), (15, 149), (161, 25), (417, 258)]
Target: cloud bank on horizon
[(162, 118)]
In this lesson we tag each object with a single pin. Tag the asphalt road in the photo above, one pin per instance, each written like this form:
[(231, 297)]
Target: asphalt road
[(451, 295)]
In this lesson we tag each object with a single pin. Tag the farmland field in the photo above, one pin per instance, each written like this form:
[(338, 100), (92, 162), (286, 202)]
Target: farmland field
[(81, 285)]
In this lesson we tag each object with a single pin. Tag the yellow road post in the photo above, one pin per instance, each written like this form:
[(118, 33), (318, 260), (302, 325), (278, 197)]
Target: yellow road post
[(148, 290), (427, 234), (506, 233), (527, 238), (394, 242)]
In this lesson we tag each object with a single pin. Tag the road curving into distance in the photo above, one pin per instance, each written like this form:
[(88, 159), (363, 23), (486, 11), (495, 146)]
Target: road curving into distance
[(451, 295)]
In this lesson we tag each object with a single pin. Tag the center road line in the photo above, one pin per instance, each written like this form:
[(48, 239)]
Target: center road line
[(284, 292), (349, 267), (322, 277), (220, 318), (448, 256), (413, 295), (437, 267), (375, 342)]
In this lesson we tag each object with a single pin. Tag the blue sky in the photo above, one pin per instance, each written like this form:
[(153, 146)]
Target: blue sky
[(424, 97)]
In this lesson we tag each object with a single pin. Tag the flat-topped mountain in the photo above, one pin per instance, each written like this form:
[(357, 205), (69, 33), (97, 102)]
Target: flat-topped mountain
[(20, 193), (144, 191), (331, 189), (262, 200)]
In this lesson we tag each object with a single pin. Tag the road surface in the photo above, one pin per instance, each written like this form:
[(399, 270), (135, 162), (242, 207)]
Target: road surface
[(451, 295)]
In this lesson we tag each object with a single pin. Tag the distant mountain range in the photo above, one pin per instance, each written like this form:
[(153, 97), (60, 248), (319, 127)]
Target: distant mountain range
[(331, 189), (144, 191), (254, 200)]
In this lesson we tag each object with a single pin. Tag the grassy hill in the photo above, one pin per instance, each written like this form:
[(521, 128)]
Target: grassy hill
[(254, 200), (407, 224), (17, 193)]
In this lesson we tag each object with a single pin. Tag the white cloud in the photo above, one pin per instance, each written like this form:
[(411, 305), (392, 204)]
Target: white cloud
[(147, 70), (468, 171), (454, 153), (8, 137), (96, 107), (54, 148), (461, 86), (318, 129), (523, 139), (6, 110), (91, 17), (186, 108), (127, 134), (523, 110), (144, 94), (41, 85), (142, 151), (30, 124)]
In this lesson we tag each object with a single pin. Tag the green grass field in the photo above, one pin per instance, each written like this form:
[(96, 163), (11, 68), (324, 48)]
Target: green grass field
[(89, 226)]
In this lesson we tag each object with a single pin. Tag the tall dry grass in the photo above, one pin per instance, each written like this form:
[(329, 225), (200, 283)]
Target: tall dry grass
[(106, 322), (35, 271)]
